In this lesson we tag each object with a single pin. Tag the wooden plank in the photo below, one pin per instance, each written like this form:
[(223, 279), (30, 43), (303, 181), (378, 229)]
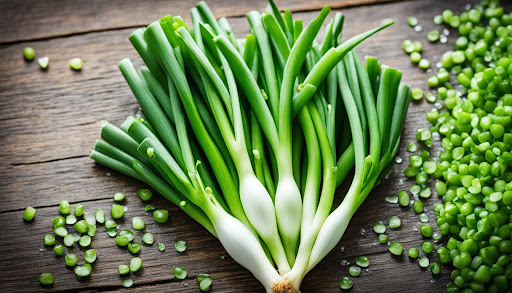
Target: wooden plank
[(26, 20), (51, 116)]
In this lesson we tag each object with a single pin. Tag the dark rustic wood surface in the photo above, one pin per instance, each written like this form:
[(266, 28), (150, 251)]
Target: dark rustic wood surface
[(50, 119)]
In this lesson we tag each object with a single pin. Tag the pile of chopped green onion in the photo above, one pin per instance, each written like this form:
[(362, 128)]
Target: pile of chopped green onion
[(251, 137)]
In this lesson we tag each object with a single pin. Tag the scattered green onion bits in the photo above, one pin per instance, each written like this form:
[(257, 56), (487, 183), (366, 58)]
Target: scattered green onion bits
[(90, 255), (119, 196), (395, 222), (423, 262), (64, 207), (134, 248), (180, 272), (29, 213), (145, 194), (117, 211), (46, 278), (43, 62), (180, 245), (412, 21), (29, 53), (99, 215), (396, 248), (49, 239), (71, 260), (354, 271), (69, 240), (83, 270), (161, 216), (346, 283), (427, 247), (135, 264), (127, 283), (58, 222), (138, 223), (161, 246), (205, 282), (413, 252), (433, 36), (363, 261), (403, 199), (58, 249), (383, 238), (147, 238), (149, 208), (123, 269), (76, 64)]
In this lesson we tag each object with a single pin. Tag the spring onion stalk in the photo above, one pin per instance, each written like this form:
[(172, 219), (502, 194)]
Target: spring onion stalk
[(252, 137)]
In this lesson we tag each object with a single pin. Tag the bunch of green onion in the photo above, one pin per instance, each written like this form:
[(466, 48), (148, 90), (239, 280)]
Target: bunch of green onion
[(251, 137)]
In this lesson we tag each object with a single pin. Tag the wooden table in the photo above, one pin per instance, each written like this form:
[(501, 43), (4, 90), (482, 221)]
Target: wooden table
[(51, 118)]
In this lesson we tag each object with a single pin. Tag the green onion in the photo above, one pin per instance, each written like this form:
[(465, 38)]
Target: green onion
[(418, 207), (415, 57), (180, 273), (354, 271), (29, 53), (424, 64), (413, 253), (127, 283), (59, 222), (138, 223), (29, 213), (69, 240), (180, 245), (122, 240), (123, 269), (346, 283), (424, 262), (433, 36), (79, 210), (145, 194), (363, 261), (403, 199), (147, 238), (161, 216), (119, 196), (417, 94), (412, 147), (379, 227), (394, 222), (46, 278), (135, 264), (149, 208), (396, 248), (76, 64), (58, 249), (412, 21), (117, 211), (100, 216), (205, 282), (43, 62), (383, 238), (81, 226), (71, 219), (83, 270), (71, 260), (134, 248), (427, 247), (435, 268), (85, 241), (90, 255), (49, 239), (64, 207), (60, 231), (426, 230), (161, 246)]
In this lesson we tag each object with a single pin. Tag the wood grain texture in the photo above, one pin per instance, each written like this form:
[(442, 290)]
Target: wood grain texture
[(50, 119), (24, 20)]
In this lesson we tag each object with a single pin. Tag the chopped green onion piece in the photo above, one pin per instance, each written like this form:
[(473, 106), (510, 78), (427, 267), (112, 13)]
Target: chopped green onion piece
[(424, 64), (138, 223), (354, 271), (147, 238), (90, 255), (64, 207), (100, 216), (117, 211), (394, 222), (119, 196), (49, 239), (29, 213), (161, 246), (110, 224), (69, 240), (363, 261), (418, 207), (423, 217), (29, 53), (58, 222), (122, 240), (403, 199), (417, 94), (205, 284), (128, 234), (76, 63), (396, 248), (415, 57), (134, 247), (424, 262), (427, 247), (412, 147), (426, 230), (346, 283), (412, 21), (180, 273), (145, 194), (433, 36), (180, 245), (435, 268), (79, 210), (81, 226), (43, 62), (149, 208), (383, 238), (123, 269), (60, 231), (71, 219), (85, 241), (135, 264), (414, 252), (379, 227), (58, 249), (161, 216), (127, 283), (83, 270), (71, 260), (46, 278)]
